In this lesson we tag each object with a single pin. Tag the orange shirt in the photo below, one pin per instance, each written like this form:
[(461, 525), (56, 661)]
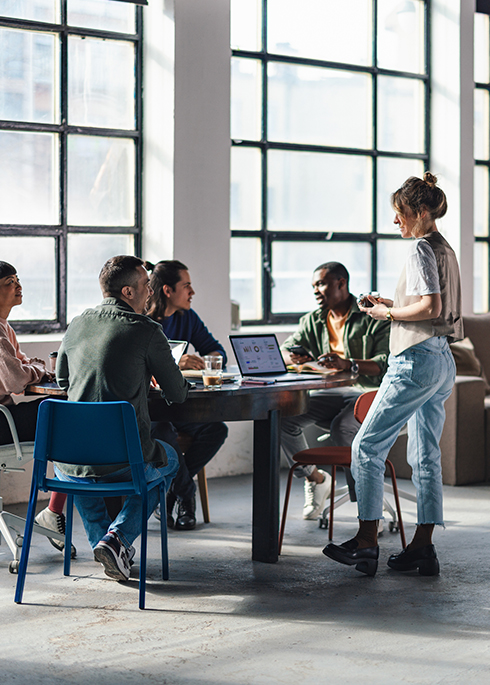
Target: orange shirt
[(335, 329)]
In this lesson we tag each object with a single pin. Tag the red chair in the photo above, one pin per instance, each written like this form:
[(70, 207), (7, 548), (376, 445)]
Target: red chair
[(338, 456)]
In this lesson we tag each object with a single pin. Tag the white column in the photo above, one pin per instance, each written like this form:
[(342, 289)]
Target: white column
[(452, 127)]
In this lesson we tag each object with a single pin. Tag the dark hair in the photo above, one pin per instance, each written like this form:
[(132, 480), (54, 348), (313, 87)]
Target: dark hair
[(336, 269), (118, 272), (7, 269), (166, 272), (420, 194)]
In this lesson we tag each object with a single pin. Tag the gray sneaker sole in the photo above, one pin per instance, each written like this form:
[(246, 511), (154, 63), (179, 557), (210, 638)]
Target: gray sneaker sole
[(108, 561)]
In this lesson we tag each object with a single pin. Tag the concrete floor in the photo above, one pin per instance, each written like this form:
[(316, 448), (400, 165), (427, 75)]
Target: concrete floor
[(225, 619)]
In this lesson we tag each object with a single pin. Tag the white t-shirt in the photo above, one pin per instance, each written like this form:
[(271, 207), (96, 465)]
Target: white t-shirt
[(421, 270)]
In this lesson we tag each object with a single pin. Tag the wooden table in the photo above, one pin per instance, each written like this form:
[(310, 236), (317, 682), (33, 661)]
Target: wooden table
[(264, 405)]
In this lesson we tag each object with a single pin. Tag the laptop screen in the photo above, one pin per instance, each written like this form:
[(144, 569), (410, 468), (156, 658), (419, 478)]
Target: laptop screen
[(178, 348), (257, 354)]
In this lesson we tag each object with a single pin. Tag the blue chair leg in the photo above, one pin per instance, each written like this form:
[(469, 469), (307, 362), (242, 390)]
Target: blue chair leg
[(26, 545), (68, 534), (163, 531), (144, 542)]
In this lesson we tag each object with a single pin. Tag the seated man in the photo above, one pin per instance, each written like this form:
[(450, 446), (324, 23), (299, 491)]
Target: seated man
[(340, 337), (170, 306), (110, 353)]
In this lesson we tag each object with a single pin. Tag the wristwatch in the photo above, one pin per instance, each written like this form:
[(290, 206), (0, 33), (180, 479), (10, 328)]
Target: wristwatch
[(354, 366)]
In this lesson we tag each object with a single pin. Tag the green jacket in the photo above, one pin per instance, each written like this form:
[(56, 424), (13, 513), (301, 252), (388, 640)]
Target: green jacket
[(110, 353), (364, 338)]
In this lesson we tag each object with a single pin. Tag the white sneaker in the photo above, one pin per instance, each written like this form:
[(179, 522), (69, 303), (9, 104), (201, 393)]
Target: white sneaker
[(315, 496), (56, 522)]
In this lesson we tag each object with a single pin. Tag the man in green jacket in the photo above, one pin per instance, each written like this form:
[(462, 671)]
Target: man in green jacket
[(110, 353), (341, 337)]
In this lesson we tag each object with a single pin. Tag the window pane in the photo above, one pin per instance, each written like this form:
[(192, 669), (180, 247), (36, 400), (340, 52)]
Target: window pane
[(321, 30), (29, 177), (35, 10), (293, 264), (245, 203), (87, 253), (481, 124), (319, 106), (100, 181), (34, 259), (401, 35), (29, 75), (246, 99), (102, 14), (480, 283), (245, 24), (245, 276), (309, 191), (482, 48), (481, 206), (392, 255), (391, 174), (100, 83), (400, 114)]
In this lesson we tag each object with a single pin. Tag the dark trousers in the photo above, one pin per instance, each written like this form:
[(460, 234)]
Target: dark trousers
[(25, 418), (207, 438)]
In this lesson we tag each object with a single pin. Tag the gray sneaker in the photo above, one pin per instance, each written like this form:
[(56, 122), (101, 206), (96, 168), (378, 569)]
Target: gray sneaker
[(315, 496), (113, 556), (56, 522)]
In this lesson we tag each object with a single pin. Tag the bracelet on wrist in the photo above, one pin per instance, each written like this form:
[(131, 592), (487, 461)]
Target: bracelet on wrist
[(389, 315)]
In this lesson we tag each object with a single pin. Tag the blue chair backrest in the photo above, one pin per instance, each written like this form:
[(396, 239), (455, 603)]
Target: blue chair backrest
[(87, 433)]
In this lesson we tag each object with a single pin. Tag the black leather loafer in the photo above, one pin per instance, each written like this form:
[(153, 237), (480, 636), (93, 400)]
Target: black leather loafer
[(365, 559), (186, 515), (424, 559)]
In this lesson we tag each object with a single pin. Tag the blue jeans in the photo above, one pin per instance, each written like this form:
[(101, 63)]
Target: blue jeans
[(127, 524), (413, 392)]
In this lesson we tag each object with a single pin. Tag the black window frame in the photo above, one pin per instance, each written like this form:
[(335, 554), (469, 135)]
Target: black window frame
[(61, 231), (269, 237)]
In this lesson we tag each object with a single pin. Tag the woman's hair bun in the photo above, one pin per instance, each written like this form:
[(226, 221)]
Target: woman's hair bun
[(430, 179), (148, 266)]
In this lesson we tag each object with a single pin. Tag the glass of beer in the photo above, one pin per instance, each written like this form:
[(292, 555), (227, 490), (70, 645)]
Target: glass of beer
[(212, 374)]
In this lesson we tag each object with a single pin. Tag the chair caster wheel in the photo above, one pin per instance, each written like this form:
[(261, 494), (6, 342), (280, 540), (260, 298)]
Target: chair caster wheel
[(393, 527), (14, 566), (19, 540), (323, 523)]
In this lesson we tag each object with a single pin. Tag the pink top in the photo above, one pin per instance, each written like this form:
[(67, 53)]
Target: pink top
[(16, 370)]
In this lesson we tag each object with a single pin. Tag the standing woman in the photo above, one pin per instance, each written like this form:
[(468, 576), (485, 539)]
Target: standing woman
[(425, 317), (17, 371)]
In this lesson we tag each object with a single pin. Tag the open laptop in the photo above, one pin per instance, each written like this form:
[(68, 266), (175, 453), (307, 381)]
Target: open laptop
[(178, 348), (259, 358)]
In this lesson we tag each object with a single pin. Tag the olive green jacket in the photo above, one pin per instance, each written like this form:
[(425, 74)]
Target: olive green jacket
[(110, 353), (364, 338)]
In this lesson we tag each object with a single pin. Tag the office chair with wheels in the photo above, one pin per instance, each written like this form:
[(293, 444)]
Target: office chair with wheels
[(91, 433), (13, 458), (334, 457)]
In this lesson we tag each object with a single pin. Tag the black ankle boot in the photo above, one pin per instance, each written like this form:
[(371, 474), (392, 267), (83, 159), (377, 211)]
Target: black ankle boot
[(186, 514)]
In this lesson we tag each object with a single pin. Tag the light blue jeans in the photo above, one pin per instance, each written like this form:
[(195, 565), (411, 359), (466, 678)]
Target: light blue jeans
[(127, 524), (413, 392)]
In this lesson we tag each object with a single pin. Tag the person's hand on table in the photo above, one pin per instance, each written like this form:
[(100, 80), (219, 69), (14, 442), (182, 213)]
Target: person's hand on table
[(333, 361), (49, 377), (299, 358), (191, 361)]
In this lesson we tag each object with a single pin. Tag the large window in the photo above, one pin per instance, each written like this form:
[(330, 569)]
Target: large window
[(328, 117), (482, 163), (70, 124)]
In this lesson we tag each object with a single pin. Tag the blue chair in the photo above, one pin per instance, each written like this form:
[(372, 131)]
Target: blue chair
[(91, 433)]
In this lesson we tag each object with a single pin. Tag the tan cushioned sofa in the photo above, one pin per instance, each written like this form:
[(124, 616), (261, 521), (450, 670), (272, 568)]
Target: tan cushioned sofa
[(465, 442)]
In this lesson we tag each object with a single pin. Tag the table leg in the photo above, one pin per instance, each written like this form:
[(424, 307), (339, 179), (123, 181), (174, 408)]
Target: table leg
[(265, 514)]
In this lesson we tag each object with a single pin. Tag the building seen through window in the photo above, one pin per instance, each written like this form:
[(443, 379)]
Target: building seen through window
[(70, 144)]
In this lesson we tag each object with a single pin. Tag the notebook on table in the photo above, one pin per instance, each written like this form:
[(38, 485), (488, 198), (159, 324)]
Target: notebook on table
[(259, 358)]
